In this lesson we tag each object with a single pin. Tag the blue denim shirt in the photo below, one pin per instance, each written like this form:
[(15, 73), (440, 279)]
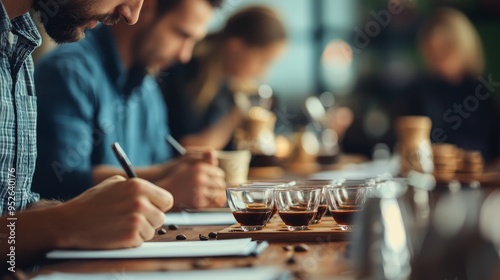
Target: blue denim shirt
[(18, 39), (86, 101)]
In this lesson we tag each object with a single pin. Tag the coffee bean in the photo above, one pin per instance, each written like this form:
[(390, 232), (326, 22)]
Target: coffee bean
[(162, 231), (173, 227), (203, 263), (288, 248), (212, 234), (301, 248), (181, 237), (203, 237), (291, 260)]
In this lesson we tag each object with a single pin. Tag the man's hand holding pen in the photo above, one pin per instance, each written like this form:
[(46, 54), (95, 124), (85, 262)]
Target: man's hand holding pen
[(195, 180)]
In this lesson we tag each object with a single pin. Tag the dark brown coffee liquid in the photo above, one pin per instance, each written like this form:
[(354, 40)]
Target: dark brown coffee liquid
[(297, 218), (321, 212), (252, 217), (344, 217)]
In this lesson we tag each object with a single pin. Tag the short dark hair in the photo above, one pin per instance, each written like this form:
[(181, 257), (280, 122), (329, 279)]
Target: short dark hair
[(165, 6)]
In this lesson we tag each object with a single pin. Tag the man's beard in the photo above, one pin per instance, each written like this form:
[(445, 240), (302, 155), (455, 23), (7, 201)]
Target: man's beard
[(66, 20)]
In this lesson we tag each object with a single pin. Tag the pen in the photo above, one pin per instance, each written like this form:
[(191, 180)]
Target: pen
[(176, 144), (123, 159)]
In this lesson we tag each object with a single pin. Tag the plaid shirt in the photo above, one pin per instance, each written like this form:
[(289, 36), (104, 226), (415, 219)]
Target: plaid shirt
[(18, 39)]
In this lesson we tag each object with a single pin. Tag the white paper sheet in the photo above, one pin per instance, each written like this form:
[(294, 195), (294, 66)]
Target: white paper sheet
[(260, 273), (199, 219), (176, 249)]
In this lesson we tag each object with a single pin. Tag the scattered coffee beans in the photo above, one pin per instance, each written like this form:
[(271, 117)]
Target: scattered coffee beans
[(181, 237), (212, 234), (162, 231), (301, 247), (173, 227), (203, 237), (288, 248)]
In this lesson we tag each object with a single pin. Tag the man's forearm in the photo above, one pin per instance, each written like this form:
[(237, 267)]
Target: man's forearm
[(28, 235), (43, 203)]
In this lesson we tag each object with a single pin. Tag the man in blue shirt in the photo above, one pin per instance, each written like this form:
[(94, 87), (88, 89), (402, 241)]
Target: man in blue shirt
[(99, 91), (132, 209)]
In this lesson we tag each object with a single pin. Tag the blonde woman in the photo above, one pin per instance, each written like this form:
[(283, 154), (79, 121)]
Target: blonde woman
[(451, 46), (198, 95), (463, 111)]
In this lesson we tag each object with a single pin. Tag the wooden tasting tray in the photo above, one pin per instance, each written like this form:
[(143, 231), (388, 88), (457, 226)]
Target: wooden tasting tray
[(276, 231)]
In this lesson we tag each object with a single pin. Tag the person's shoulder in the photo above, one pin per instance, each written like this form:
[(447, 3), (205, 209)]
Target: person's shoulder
[(82, 54), (67, 68)]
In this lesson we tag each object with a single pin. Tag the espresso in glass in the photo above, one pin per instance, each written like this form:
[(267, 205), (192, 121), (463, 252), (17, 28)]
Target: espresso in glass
[(345, 200), (297, 205), (344, 217), (323, 204), (297, 218), (251, 207), (274, 184), (254, 215)]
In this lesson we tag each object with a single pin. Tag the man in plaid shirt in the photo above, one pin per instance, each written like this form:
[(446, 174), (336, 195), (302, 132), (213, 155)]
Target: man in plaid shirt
[(131, 209)]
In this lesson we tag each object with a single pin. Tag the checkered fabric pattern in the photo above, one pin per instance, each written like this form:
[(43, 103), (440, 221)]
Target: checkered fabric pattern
[(18, 39)]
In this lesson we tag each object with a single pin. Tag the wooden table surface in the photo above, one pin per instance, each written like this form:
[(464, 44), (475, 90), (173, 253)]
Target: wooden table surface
[(323, 260)]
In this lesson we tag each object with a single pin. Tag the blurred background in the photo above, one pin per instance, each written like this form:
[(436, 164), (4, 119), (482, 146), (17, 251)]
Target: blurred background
[(361, 54), (351, 49)]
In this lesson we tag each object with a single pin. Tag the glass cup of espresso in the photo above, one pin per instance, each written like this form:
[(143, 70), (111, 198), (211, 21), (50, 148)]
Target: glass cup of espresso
[(297, 205), (252, 207), (345, 199), (323, 204), (274, 184), (269, 184)]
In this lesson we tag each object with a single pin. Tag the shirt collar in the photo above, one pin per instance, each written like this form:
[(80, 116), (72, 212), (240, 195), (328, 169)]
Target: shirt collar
[(25, 27), (5, 25), (125, 79), (22, 25)]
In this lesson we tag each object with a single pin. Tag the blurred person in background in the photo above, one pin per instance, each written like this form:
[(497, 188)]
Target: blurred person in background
[(454, 93), (103, 90), (199, 94)]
